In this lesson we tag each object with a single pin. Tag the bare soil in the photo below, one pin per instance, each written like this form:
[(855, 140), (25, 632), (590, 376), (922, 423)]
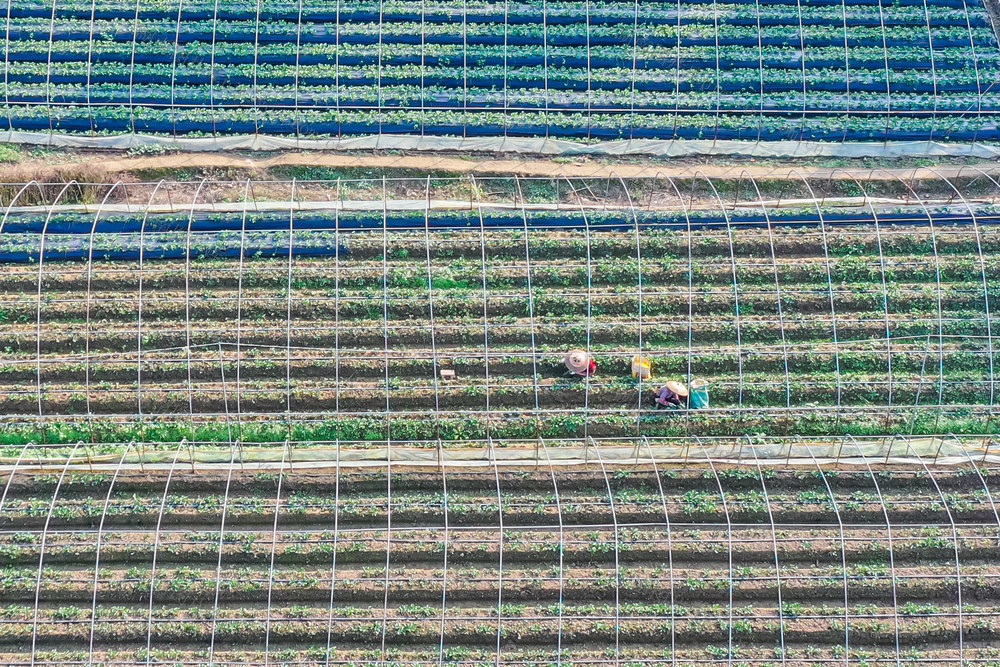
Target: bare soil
[(112, 164)]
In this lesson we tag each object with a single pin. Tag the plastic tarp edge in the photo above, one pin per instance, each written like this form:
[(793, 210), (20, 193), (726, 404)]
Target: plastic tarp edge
[(540, 145)]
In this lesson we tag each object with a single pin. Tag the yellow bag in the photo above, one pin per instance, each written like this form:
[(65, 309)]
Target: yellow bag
[(642, 367)]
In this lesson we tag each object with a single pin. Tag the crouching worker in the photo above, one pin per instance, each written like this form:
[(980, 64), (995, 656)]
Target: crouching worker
[(673, 395), (699, 394), (580, 363)]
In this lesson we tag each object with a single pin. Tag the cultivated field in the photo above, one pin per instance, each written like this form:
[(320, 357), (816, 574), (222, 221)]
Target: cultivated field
[(262, 408), (219, 326), (707, 564), (767, 70)]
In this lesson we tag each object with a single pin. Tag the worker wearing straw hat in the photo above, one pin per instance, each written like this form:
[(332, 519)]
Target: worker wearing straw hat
[(579, 363), (673, 395)]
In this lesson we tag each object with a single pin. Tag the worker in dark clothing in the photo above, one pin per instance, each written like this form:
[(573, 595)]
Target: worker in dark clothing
[(673, 395)]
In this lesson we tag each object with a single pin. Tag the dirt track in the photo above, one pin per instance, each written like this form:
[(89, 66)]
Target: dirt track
[(94, 165)]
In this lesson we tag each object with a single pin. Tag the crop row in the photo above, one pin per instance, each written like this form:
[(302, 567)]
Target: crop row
[(402, 283), (482, 630), (462, 76), (448, 275), (860, 556), (587, 507), (928, 357), (552, 68), (636, 584), (697, 493), (499, 85), (456, 428), (905, 392), (354, 311), (551, 13), (413, 278), (868, 64), (484, 98), (189, 526), (662, 238), (568, 612), (664, 254), (255, 365), (504, 333), (589, 655), (911, 31), (754, 125), (810, 484), (695, 89), (663, 290)]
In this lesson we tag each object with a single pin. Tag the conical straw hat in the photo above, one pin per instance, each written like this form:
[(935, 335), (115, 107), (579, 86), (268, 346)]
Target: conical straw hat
[(678, 388), (577, 361)]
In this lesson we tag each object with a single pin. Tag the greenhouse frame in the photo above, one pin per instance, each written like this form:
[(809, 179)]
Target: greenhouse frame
[(710, 562), (267, 322), (548, 75)]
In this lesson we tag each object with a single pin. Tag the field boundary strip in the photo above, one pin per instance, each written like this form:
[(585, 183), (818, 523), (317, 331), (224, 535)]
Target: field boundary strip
[(476, 165), (944, 450), (539, 146), (464, 205)]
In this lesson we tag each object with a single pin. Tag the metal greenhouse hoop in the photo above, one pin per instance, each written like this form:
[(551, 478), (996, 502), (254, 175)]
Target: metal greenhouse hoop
[(190, 338)]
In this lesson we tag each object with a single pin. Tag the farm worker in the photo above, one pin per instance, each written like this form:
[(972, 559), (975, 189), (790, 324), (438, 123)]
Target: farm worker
[(642, 367), (579, 363), (672, 395), (699, 394)]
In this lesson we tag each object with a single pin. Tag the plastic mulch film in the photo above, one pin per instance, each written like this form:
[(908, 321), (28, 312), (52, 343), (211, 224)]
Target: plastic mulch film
[(543, 146), (741, 76)]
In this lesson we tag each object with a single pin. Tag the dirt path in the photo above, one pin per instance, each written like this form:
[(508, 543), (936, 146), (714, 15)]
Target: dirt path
[(485, 166)]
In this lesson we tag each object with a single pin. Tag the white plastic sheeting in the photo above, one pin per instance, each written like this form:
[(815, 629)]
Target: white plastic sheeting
[(541, 145)]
